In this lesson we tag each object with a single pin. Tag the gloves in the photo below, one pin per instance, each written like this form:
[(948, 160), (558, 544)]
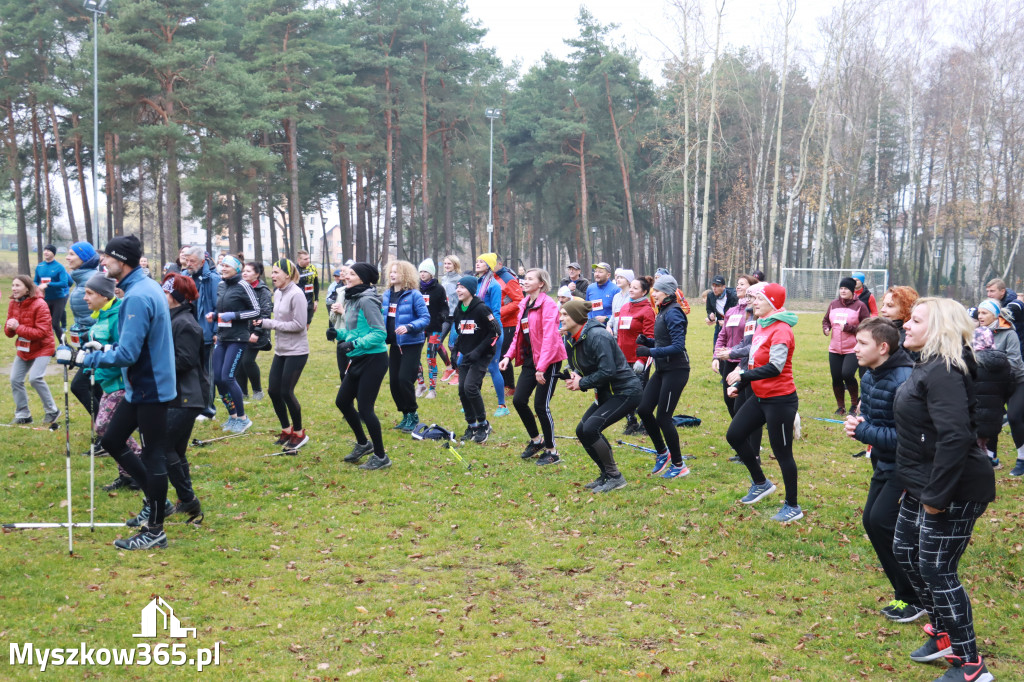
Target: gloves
[(65, 355), (346, 347), (644, 341), (93, 345), (332, 334), (228, 317), (471, 357), (638, 367), (643, 352)]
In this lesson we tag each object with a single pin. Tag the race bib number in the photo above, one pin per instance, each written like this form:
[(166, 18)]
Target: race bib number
[(45, 280), (23, 345), (597, 306), (426, 299), (221, 322), (393, 310), (625, 322), (308, 288), (467, 327), (734, 320), (839, 317), (75, 338), (525, 324), (749, 328)]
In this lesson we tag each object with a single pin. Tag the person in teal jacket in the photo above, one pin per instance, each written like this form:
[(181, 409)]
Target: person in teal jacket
[(53, 279)]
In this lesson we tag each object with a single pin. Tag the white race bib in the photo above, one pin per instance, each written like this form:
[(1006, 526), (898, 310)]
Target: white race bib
[(426, 299), (734, 320), (467, 327), (749, 328), (624, 322), (308, 288), (24, 345), (839, 317), (393, 310), (525, 324), (597, 306), (222, 323)]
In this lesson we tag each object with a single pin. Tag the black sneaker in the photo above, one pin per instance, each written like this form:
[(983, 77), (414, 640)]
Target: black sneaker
[(735, 458), (611, 483), (97, 450), (548, 458), (358, 452), (902, 612), (597, 482), (283, 438), (117, 484), (1018, 470), (840, 412), (937, 646), (22, 420), (146, 539), (630, 429), (532, 449), (960, 671), (481, 433), (193, 510), (376, 462), (468, 435), (142, 517)]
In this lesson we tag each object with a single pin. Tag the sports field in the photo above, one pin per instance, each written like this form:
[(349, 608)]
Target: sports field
[(310, 569)]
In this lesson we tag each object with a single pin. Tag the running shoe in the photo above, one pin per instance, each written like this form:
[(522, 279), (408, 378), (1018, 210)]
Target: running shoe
[(611, 483), (677, 471), (51, 417), (630, 429), (510, 392), (902, 612), (22, 420), (400, 426), (596, 483), (660, 462), (421, 388), (283, 437), (468, 435), (298, 439), (229, 424), (548, 458), (735, 458), (959, 671), (242, 424), (1017, 470), (532, 449), (430, 394), (142, 518), (144, 540), (453, 380), (788, 513), (447, 374), (481, 433), (257, 396), (502, 411), (840, 412), (376, 462), (193, 510), (411, 420), (758, 491), (995, 463), (937, 646), (117, 484), (359, 451)]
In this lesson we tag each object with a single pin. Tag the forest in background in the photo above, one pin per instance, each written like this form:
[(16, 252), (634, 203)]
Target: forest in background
[(890, 136)]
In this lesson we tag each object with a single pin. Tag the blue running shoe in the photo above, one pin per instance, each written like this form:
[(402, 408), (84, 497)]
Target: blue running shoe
[(502, 411), (660, 462), (757, 491), (788, 513), (229, 424), (676, 471)]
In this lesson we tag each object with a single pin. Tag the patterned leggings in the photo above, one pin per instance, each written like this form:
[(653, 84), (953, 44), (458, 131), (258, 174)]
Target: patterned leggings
[(109, 403), (434, 348), (928, 548)]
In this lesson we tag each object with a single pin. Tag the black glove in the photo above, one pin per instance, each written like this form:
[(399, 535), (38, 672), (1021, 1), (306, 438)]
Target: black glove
[(471, 357), (643, 352), (332, 334), (346, 347), (644, 341)]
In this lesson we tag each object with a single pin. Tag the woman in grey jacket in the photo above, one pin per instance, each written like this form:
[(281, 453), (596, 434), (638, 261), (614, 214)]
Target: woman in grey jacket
[(450, 279)]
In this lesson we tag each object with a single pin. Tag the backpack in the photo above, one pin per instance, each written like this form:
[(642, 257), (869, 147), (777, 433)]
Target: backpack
[(685, 420), (683, 303), (432, 432)]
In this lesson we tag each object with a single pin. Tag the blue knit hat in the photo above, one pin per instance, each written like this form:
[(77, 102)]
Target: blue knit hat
[(83, 250), (469, 283)]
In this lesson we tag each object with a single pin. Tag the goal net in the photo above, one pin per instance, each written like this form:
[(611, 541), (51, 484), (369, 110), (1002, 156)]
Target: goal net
[(814, 288)]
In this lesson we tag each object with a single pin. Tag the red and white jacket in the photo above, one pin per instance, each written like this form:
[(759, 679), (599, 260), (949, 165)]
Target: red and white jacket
[(34, 335), (778, 333)]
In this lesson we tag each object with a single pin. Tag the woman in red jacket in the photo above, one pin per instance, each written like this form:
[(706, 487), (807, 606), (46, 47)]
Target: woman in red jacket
[(537, 347), (636, 317), (28, 320)]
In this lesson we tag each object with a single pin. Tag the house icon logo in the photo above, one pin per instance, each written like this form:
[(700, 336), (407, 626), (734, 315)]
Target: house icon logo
[(151, 620)]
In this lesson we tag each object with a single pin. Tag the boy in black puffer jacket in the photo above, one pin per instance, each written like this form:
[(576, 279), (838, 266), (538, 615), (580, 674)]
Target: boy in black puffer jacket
[(878, 350), (993, 387)]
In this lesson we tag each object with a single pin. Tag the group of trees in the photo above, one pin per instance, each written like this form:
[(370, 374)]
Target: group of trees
[(871, 143)]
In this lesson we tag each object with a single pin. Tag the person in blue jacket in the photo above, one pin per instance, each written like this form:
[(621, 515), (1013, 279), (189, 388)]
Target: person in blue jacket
[(207, 281), (53, 280), (601, 292), (145, 354), (406, 317), (83, 262), (489, 291)]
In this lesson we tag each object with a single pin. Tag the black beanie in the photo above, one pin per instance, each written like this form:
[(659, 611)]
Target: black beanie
[(848, 283), (51, 248), (127, 249), (366, 272)]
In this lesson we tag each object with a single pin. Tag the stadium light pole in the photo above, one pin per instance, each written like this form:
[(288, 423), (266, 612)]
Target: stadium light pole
[(97, 7), (491, 114)]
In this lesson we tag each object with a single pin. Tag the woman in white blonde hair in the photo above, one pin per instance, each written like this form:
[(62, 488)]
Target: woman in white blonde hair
[(948, 478)]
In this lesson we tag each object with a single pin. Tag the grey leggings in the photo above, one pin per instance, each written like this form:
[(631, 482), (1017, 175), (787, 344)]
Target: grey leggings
[(35, 370)]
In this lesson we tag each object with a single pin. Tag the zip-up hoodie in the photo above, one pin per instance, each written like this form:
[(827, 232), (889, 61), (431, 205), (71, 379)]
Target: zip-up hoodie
[(732, 327), (145, 350), (207, 283), (596, 357), (236, 298), (511, 295), (1004, 338), (770, 372), (105, 333), (289, 321), (436, 300), (669, 351), (364, 323), (35, 335), (79, 308), (188, 344), (541, 325), (841, 320), (59, 280)]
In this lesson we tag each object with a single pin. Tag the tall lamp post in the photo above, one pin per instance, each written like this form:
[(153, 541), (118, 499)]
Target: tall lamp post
[(97, 7), (492, 114)]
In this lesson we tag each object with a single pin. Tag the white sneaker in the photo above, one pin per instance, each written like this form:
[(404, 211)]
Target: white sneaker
[(430, 394), (421, 388)]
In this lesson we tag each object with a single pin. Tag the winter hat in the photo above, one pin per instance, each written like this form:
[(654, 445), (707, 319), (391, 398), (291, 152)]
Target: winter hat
[(366, 272), (469, 283), (337, 273), (859, 276), (232, 262), (429, 267), (848, 283), (660, 272), (127, 249), (775, 294), (990, 305), (84, 251), (577, 309), (984, 339), (102, 285), (563, 292), (51, 248), (754, 289), (624, 272), (491, 259), (666, 284)]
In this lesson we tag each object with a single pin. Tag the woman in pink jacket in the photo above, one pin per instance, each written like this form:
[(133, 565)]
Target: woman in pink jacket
[(840, 325), (537, 347)]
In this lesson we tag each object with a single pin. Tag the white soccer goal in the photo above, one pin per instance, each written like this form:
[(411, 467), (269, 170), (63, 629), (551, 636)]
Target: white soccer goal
[(813, 288)]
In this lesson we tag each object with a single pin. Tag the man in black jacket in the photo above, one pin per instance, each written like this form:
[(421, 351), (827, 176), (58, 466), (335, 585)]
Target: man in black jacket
[(596, 362), (720, 299), (478, 333)]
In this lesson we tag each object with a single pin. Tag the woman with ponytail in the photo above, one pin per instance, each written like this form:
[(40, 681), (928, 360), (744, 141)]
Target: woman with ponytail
[(636, 318)]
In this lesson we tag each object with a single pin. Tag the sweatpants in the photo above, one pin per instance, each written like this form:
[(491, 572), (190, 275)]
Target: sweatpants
[(541, 401), (362, 382), (881, 510), (508, 334), (180, 421), (35, 371), (778, 414), (285, 371), (928, 548), (227, 358), (662, 395), (844, 378), (471, 378), (403, 366), (149, 470), (596, 419)]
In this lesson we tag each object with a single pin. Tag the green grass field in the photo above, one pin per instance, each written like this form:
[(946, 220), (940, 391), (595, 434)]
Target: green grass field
[(309, 569)]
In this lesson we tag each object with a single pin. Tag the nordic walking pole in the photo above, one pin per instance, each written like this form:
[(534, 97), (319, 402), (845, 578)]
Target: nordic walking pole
[(650, 450), (830, 421), (67, 458)]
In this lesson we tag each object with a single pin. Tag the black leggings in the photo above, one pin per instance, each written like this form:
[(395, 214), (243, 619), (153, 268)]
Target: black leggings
[(662, 392), (87, 393), (248, 372), (471, 378), (778, 414), (541, 401), (404, 367), (227, 358), (726, 367), (881, 510), (507, 375), (180, 421), (1015, 415), (844, 378), (596, 419), (149, 470), (929, 547), (285, 371), (58, 312), (362, 383), (746, 394)]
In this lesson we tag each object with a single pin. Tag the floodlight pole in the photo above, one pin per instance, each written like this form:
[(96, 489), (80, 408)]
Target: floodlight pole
[(97, 7), (491, 114)]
